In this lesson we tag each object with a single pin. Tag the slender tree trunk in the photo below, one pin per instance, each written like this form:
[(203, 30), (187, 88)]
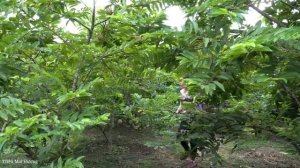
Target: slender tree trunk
[(88, 41)]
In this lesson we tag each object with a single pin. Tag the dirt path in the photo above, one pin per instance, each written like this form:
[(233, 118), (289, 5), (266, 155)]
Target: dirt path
[(128, 150)]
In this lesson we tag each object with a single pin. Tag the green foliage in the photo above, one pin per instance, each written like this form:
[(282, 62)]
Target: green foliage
[(44, 138), (69, 163), (153, 109), (10, 107), (252, 66), (291, 131), (125, 63)]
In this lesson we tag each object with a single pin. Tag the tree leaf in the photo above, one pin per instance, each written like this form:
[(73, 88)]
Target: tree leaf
[(220, 85), (218, 11)]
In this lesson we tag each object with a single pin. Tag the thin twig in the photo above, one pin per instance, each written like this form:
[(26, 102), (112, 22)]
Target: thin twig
[(103, 21), (84, 4), (31, 58), (83, 25), (103, 132)]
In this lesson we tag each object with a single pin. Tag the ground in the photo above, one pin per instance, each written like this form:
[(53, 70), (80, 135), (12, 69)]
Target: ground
[(132, 148)]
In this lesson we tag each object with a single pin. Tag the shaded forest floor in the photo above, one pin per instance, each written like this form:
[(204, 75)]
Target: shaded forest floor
[(132, 148)]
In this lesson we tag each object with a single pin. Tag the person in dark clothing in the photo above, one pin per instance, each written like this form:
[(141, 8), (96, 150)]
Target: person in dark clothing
[(190, 146)]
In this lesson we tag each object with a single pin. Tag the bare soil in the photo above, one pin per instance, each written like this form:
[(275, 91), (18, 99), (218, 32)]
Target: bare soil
[(128, 150)]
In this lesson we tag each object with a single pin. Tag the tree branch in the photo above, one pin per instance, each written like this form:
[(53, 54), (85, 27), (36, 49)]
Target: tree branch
[(291, 93), (289, 5), (103, 21), (30, 153), (76, 20), (91, 29), (58, 35), (75, 80), (84, 4), (273, 20), (31, 58), (88, 41)]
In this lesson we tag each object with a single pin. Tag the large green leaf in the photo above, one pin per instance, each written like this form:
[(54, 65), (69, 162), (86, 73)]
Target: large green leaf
[(218, 11)]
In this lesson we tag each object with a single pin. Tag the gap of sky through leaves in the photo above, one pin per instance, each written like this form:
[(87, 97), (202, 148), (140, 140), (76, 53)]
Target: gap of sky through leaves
[(175, 15)]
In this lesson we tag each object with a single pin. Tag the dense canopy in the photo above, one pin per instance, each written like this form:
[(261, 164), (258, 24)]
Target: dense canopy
[(124, 65)]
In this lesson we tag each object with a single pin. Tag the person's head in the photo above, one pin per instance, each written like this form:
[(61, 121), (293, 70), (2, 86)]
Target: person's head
[(182, 83)]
